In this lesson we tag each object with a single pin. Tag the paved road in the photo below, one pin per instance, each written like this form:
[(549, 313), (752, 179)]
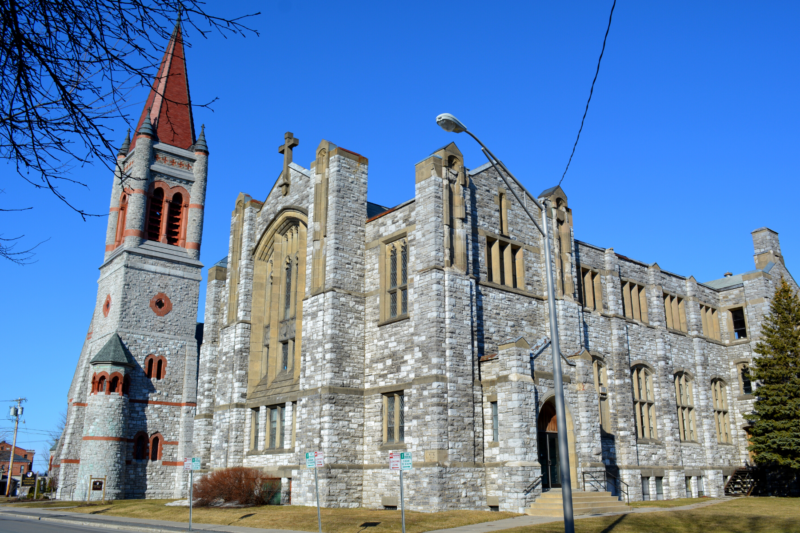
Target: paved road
[(10, 524)]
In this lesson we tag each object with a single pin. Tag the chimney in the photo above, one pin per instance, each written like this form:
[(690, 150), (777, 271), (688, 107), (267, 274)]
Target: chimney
[(766, 247)]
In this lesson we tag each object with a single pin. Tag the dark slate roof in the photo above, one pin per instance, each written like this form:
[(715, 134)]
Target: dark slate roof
[(6, 455), (732, 281), (114, 352), (375, 210), (222, 262)]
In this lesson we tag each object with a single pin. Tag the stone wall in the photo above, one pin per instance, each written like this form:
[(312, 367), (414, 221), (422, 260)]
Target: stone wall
[(447, 357)]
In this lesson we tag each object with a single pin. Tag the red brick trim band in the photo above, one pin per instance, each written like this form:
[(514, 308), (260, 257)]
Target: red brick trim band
[(112, 209), (155, 402), (70, 461), (111, 247), (78, 404), (170, 443), (196, 206), (113, 439), (192, 245), (135, 191), (172, 463), (133, 233)]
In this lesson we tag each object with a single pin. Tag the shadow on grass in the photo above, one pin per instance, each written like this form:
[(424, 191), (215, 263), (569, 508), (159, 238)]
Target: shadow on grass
[(365, 525), (614, 524)]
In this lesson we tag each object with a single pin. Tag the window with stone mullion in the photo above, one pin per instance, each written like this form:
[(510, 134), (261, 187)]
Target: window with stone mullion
[(721, 419), (394, 418), (685, 401), (644, 403), (397, 287), (276, 423)]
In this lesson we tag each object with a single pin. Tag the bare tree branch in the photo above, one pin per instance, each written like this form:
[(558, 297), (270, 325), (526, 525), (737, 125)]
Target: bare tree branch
[(67, 68)]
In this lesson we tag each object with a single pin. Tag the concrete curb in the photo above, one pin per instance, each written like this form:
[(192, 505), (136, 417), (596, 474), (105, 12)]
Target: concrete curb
[(89, 523)]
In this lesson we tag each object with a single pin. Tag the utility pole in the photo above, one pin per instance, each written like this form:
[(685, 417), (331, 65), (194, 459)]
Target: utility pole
[(15, 412)]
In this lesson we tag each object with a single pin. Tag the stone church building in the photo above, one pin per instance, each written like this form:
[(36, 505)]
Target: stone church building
[(338, 325)]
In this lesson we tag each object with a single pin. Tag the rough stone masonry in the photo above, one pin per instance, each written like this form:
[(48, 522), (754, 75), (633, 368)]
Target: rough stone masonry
[(341, 326)]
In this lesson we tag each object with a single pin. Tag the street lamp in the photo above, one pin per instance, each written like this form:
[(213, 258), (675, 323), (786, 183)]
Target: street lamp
[(450, 123)]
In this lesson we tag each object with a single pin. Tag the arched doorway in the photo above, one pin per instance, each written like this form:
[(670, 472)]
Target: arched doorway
[(547, 426)]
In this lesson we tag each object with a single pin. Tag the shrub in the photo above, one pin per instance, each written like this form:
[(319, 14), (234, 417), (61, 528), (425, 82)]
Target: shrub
[(238, 485)]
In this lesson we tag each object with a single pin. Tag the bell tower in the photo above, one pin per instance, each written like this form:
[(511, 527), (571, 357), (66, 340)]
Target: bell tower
[(133, 434)]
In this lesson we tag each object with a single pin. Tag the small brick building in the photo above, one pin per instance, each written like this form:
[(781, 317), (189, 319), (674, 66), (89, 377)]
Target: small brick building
[(23, 459)]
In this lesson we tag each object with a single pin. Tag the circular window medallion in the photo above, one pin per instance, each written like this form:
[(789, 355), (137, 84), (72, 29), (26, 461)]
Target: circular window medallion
[(107, 306), (161, 304)]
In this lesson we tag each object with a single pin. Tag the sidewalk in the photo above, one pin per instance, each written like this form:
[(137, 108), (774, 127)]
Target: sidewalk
[(522, 521), (163, 526)]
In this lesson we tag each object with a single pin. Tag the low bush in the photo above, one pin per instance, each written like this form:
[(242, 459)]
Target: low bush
[(239, 485)]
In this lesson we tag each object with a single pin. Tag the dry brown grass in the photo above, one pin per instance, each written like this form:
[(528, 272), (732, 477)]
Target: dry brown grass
[(295, 517), (742, 515)]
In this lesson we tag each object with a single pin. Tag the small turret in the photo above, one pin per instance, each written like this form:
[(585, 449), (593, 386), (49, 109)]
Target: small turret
[(123, 150), (200, 145), (146, 128)]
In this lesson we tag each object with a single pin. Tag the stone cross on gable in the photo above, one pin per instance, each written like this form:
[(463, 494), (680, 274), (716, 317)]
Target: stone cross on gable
[(286, 149)]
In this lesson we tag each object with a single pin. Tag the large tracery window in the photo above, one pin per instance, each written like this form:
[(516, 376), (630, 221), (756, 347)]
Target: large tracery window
[(685, 398), (276, 316), (644, 402)]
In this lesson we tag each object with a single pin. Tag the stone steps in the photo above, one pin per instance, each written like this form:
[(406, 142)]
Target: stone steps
[(583, 503)]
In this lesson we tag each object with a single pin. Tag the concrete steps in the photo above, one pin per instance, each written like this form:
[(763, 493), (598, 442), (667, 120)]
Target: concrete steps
[(583, 503)]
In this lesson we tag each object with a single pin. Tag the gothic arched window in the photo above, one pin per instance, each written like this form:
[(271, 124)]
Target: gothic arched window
[(174, 219), (122, 216), (276, 312), (166, 214), (154, 215), (148, 364), (140, 446), (155, 447)]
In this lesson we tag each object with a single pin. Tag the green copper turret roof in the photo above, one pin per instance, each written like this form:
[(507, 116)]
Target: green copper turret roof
[(114, 353)]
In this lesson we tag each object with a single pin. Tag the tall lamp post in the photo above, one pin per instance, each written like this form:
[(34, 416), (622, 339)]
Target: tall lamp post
[(450, 123)]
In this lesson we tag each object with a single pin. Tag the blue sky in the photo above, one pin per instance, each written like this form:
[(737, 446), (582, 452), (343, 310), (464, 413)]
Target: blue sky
[(690, 142)]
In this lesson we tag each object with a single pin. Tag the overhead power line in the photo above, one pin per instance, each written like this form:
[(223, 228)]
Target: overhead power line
[(590, 92)]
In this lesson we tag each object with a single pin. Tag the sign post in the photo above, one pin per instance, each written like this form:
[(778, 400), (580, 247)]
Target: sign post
[(191, 464), (313, 460), (401, 461)]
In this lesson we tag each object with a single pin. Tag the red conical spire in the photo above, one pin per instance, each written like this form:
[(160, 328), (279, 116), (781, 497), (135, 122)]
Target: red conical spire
[(169, 102)]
